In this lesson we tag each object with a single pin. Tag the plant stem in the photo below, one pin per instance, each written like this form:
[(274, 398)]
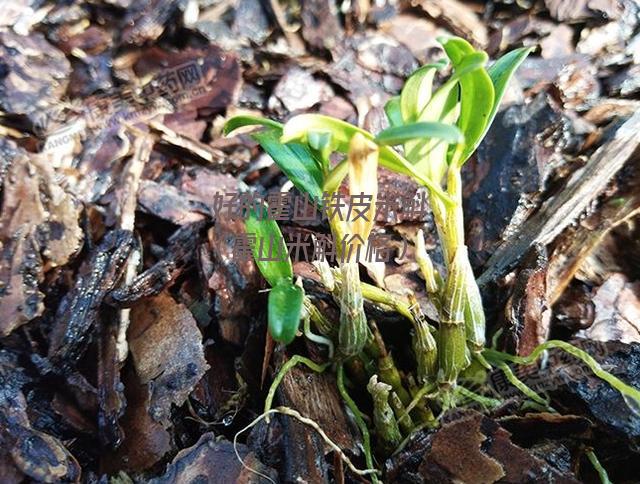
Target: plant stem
[(318, 368), (387, 430), (602, 472), (629, 393), (357, 416)]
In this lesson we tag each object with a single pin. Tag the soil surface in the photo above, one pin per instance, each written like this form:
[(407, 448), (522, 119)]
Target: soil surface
[(133, 338)]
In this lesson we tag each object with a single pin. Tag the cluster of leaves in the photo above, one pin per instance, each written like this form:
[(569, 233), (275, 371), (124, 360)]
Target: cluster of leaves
[(436, 129)]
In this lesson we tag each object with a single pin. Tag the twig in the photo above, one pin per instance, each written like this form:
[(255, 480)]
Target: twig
[(126, 220)]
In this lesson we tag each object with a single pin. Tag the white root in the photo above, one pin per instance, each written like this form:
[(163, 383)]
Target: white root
[(307, 421)]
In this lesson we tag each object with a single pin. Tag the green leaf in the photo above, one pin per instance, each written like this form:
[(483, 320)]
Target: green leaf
[(320, 140), (392, 109), (429, 156), (416, 93), (476, 98), (298, 128), (242, 121), (336, 176), (266, 233), (470, 63), (295, 160), (400, 134), (284, 310), (500, 73)]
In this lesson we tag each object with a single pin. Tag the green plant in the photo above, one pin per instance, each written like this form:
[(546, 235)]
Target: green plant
[(438, 129), (285, 298)]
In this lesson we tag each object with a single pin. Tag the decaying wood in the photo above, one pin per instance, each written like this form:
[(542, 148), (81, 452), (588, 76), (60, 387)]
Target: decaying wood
[(582, 189), (528, 312), (166, 347), (578, 242), (180, 252), (194, 148), (78, 313), (38, 227), (126, 218), (218, 461), (114, 220), (33, 453)]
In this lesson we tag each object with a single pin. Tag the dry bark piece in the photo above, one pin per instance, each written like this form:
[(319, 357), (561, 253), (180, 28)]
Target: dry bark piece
[(218, 32), (574, 310), (298, 90), (418, 34), (314, 395), (36, 454), (559, 42), (607, 109), (533, 427), (370, 67), (78, 312), (166, 346), (168, 203), (504, 180), (321, 27), (92, 41), (35, 74), (219, 75), (90, 74), (470, 447), (185, 142), (580, 10), (216, 462), (147, 20), (581, 189), (179, 254), (527, 311), (145, 440), (71, 414), (234, 282), (616, 312), (575, 76), (204, 183), (581, 245), (514, 31), (39, 223), (582, 393), (457, 16), (625, 83), (111, 399), (607, 43), (397, 191), (380, 53), (251, 21), (8, 469), (218, 392)]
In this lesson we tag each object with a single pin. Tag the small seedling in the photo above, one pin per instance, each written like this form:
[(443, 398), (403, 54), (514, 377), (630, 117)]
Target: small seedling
[(285, 297)]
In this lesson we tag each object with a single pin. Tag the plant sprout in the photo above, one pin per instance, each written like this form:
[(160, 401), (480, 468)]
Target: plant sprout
[(285, 298), (432, 132)]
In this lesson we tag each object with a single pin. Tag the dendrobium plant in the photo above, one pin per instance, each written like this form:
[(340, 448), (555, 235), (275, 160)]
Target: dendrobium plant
[(432, 132)]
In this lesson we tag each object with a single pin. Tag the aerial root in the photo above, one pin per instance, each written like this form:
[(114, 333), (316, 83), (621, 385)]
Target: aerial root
[(307, 421)]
